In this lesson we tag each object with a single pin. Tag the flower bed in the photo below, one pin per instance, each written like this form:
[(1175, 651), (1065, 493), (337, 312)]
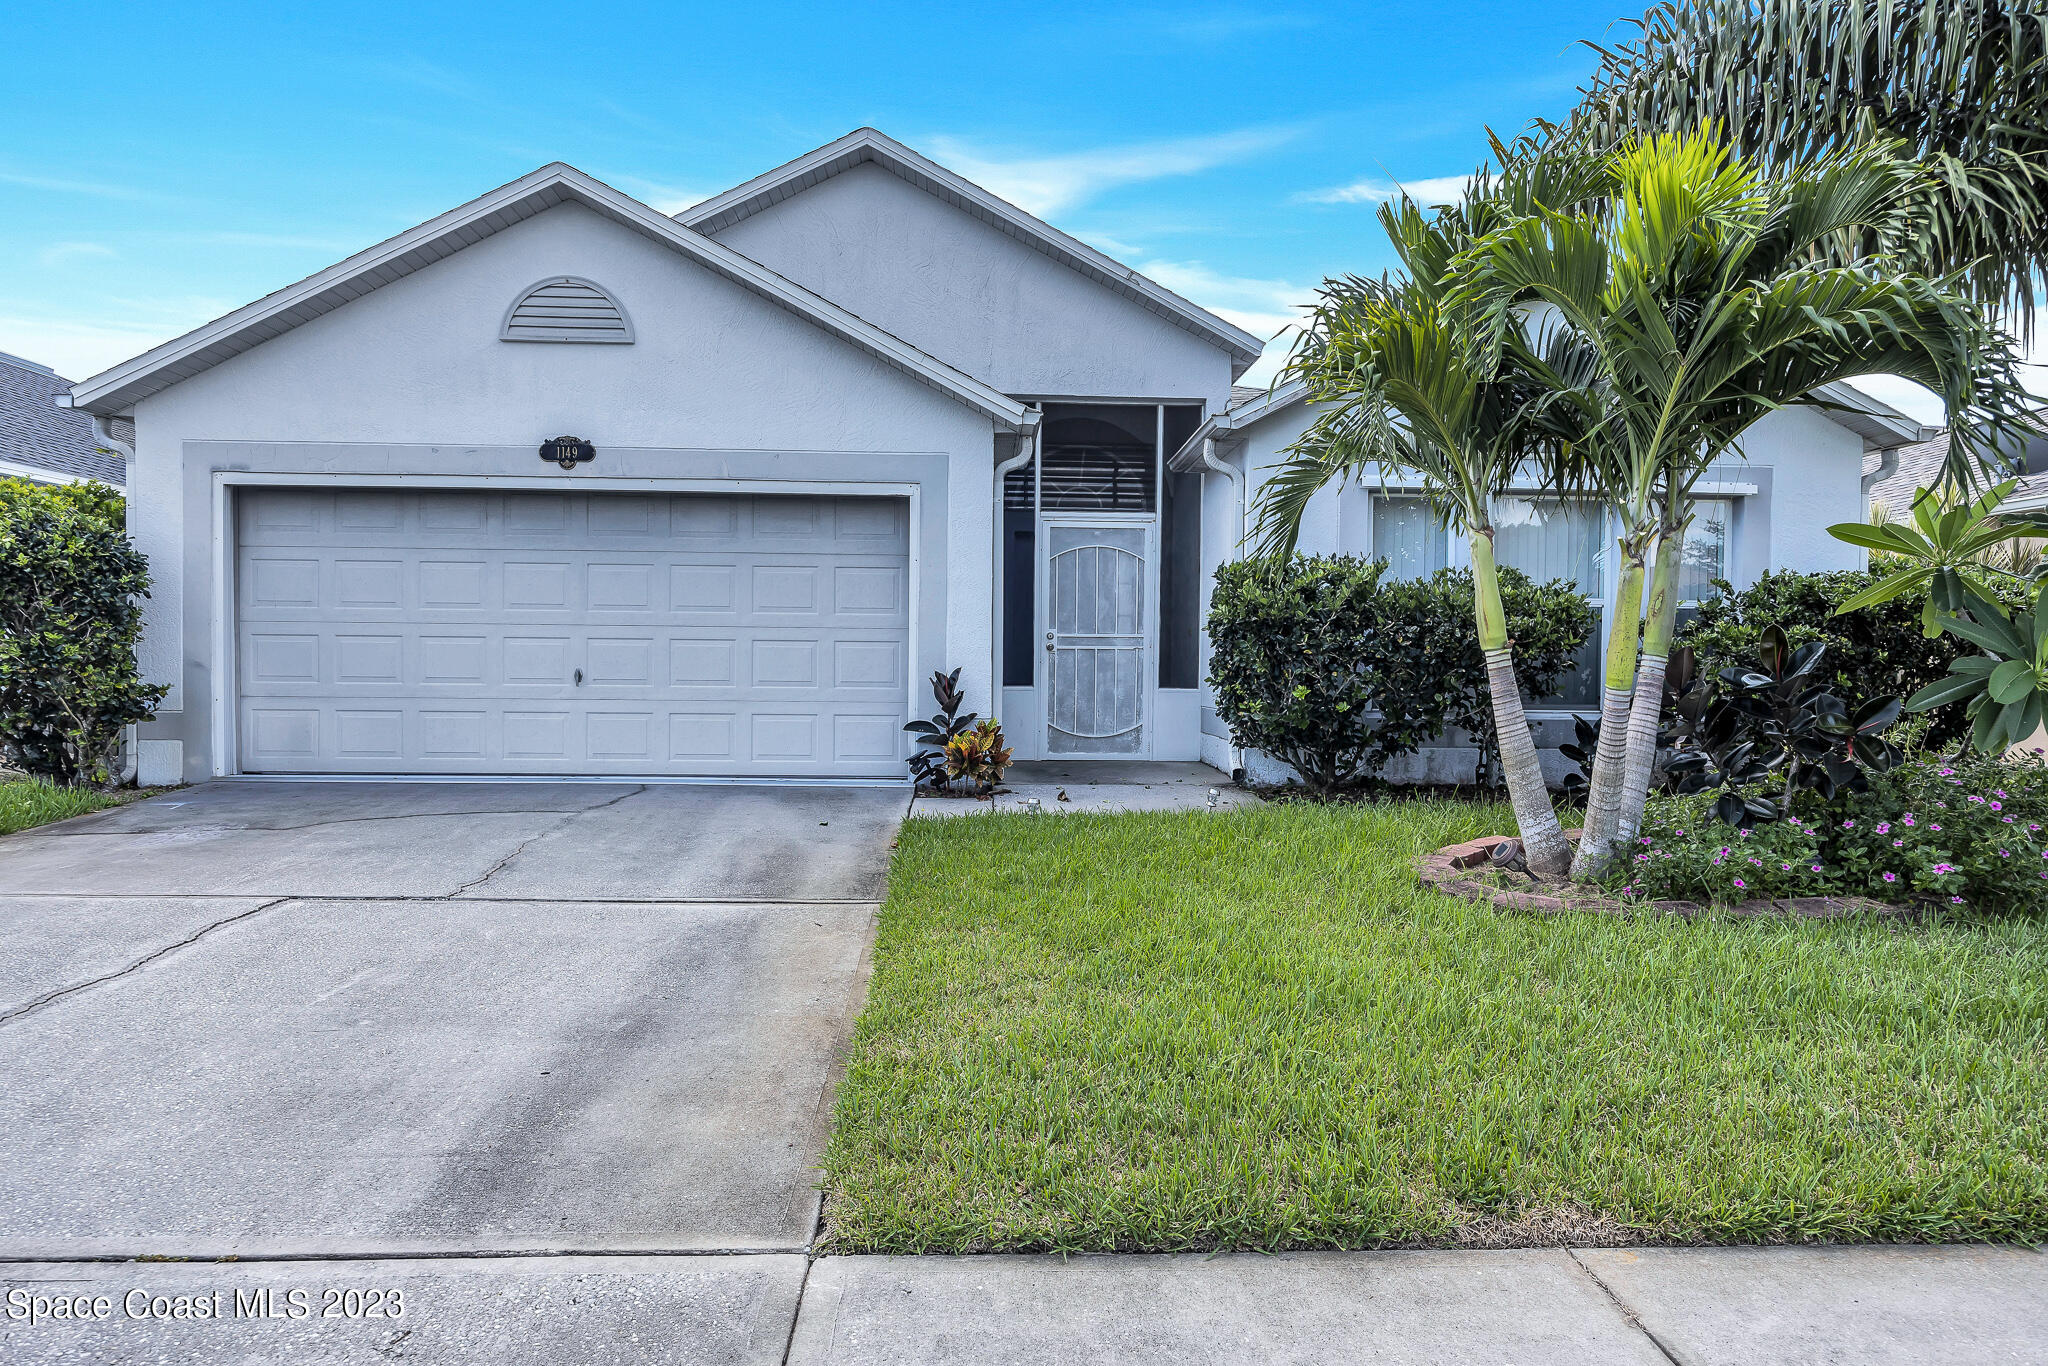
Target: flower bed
[(1961, 833)]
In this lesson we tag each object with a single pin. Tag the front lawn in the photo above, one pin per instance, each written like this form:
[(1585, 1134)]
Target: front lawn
[(26, 802), (1177, 1031)]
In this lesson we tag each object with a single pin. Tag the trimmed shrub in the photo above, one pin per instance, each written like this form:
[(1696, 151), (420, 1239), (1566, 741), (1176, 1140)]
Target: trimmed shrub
[(1872, 652), (1324, 663), (70, 585)]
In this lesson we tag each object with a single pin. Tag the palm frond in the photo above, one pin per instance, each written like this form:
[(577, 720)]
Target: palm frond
[(1960, 85)]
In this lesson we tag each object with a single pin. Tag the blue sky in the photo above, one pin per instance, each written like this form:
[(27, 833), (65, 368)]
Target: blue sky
[(192, 158)]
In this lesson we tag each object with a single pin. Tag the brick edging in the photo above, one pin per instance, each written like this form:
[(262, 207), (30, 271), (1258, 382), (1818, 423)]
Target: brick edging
[(1447, 871)]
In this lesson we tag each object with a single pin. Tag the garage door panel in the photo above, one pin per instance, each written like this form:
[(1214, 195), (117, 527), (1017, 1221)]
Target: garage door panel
[(453, 646)]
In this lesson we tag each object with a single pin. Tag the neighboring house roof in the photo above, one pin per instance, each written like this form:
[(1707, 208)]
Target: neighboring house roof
[(117, 389), (1892, 478), (867, 145), (1880, 425), (38, 439)]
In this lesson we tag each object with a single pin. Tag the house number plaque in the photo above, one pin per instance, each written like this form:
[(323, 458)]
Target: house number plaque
[(568, 451)]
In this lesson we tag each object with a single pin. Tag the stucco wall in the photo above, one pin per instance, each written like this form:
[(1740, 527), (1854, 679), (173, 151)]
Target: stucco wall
[(974, 296), (716, 376)]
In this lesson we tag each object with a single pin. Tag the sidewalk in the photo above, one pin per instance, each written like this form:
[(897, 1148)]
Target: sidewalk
[(1692, 1306)]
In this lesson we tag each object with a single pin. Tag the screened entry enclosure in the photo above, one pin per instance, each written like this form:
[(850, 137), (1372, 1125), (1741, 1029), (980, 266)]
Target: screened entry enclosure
[(1101, 577)]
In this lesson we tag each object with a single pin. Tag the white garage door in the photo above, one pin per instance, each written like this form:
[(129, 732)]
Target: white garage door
[(571, 633)]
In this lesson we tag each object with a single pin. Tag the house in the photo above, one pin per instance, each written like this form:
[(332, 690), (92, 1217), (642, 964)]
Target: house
[(45, 443), (1801, 471), (555, 484)]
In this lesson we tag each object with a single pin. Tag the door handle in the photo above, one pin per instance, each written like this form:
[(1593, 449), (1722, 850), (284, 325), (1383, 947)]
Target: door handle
[(579, 678)]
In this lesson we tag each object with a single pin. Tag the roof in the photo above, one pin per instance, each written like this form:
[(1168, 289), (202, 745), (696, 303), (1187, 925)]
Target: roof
[(1881, 426), (1249, 404), (114, 390), (37, 434), (1892, 478), (867, 145)]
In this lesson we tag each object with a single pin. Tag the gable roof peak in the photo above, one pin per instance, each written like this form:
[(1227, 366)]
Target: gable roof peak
[(866, 144), (112, 391)]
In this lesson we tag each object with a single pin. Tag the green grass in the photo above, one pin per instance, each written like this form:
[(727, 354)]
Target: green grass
[(26, 802), (1183, 1031)]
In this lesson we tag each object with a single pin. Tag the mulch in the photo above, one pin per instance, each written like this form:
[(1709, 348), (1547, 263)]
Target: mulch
[(1467, 870)]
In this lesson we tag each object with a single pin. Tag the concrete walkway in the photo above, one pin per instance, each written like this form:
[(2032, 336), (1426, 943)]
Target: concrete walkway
[(1695, 1307), (1054, 788)]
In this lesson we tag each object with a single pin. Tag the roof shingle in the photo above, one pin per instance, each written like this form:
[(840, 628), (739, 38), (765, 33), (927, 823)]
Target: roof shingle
[(35, 431)]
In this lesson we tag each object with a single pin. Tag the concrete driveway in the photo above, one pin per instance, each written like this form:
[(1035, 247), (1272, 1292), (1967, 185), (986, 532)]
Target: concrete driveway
[(285, 1020)]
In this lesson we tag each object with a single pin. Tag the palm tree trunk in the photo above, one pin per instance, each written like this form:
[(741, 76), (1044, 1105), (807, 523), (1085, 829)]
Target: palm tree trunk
[(1603, 790), (1543, 841), (1648, 707)]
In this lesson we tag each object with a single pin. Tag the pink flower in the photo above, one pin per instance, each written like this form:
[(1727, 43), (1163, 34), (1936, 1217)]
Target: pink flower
[(1944, 868), (1898, 844), (2003, 854), (1909, 818), (1998, 806), (1998, 792), (1891, 877), (2006, 819), (1977, 799), (1956, 900), (1814, 869), (1848, 825), (1884, 827), (1935, 828), (1740, 883), (1785, 867)]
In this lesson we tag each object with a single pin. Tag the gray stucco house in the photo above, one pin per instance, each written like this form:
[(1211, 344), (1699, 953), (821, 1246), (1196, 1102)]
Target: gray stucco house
[(42, 442), (850, 422)]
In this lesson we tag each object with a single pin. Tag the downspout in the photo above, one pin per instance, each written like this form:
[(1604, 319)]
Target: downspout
[(1027, 446), (131, 745), (1236, 549)]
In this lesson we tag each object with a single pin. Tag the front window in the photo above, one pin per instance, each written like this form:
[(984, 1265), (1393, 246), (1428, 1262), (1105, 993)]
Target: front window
[(1704, 556), (1552, 538), (1409, 536)]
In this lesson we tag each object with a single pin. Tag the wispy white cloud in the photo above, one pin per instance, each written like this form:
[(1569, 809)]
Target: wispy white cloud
[(58, 253), (1442, 189), (661, 196), (1051, 184), (83, 340), (1269, 309), (58, 185)]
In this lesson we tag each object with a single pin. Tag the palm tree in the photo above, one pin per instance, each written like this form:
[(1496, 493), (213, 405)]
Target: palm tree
[(1962, 85), (1400, 385), (1705, 294)]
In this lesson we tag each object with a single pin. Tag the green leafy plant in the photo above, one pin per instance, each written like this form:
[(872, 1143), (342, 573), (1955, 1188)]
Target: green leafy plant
[(1872, 651), (71, 586), (1950, 833), (978, 756), (1941, 556), (2004, 689), (1326, 664), (928, 755), (1770, 724)]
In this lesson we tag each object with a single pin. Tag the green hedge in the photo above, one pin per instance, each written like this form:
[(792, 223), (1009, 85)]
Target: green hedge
[(1871, 652), (70, 612), (1327, 664)]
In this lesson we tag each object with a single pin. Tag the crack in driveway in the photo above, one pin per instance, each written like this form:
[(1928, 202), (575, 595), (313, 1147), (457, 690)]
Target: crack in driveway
[(51, 997), (573, 816)]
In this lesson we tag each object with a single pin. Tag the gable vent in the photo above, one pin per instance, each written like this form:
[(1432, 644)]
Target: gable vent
[(566, 309)]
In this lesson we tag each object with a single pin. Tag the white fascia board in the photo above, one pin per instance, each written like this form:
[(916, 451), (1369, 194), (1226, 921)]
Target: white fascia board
[(867, 144), (113, 391), (1879, 424)]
